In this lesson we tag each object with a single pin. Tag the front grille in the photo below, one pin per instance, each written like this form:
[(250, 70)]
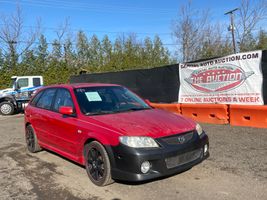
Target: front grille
[(179, 139), (179, 160)]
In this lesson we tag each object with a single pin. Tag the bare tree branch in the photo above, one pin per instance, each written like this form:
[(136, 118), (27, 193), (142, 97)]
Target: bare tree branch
[(15, 39), (189, 30), (63, 29), (250, 15)]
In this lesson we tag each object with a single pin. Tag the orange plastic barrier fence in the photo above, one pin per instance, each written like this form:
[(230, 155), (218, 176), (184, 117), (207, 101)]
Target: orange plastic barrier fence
[(175, 108), (208, 113), (243, 115)]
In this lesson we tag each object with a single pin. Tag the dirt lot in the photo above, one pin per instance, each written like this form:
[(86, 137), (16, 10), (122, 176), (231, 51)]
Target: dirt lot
[(237, 169)]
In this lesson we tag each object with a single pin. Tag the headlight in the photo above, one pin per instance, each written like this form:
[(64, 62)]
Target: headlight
[(138, 142), (199, 129)]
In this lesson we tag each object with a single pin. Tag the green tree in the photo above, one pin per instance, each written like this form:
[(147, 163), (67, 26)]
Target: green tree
[(130, 54), (248, 43), (12, 55), (148, 52), (56, 50), (69, 54), (82, 47), (42, 50), (106, 51), (28, 64), (116, 61), (96, 59), (159, 53), (262, 40), (1, 60)]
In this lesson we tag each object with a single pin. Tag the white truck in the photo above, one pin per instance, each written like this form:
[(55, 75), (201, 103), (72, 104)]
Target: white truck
[(15, 99)]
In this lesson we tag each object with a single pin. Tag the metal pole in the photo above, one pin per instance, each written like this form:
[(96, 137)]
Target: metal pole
[(233, 31), (231, 12)]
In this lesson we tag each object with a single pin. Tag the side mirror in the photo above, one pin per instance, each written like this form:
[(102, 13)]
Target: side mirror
[(66, 110), (16, 86)]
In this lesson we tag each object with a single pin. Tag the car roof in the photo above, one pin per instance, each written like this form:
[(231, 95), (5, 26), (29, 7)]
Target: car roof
[(81, 85)]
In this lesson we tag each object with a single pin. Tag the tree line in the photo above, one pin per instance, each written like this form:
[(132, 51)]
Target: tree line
[(58, 60)]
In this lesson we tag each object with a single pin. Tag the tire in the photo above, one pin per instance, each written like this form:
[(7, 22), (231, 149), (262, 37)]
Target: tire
[(31, 140), (6, 108), (97, 164)]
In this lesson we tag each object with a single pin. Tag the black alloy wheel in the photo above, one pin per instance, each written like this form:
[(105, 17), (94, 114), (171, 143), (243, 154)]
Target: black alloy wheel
[(31, 140), (97, 164)]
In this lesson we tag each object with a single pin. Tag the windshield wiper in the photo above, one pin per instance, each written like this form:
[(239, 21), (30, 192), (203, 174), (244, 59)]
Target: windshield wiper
[(102, 112), (99, 113), (135, 109), (141, 108)]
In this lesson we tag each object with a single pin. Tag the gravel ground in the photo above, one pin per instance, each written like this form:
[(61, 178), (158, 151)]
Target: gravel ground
[(236, 169)]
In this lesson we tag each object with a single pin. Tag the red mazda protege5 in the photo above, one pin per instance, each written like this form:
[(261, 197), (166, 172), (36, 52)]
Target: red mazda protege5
[(112, 132)]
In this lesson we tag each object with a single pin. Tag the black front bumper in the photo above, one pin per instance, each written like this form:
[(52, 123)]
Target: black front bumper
[(166, 160)]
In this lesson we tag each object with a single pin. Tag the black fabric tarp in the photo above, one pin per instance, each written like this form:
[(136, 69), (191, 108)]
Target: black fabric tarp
[(159, 84), (264, 72)]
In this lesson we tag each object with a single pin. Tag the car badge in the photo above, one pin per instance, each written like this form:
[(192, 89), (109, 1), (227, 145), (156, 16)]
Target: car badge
[(181, 139)]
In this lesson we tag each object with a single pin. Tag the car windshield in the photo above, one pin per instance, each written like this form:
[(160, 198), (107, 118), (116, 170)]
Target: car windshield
[(107, 100)]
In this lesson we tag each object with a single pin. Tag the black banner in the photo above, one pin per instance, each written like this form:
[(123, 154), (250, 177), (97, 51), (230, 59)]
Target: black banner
[(159, 84), (264, 73)]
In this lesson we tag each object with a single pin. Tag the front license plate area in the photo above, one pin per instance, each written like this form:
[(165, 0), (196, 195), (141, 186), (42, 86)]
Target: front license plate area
[(182, 159)]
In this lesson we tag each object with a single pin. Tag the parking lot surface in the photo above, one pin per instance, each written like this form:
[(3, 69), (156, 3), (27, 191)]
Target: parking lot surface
[(236, 169)]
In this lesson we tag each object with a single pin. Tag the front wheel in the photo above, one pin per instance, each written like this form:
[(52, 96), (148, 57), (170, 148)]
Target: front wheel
[(6, 108), (31, 140), (97, 164)]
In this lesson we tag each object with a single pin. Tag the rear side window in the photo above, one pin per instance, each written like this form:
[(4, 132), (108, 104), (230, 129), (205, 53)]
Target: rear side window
[(63, 98), (46, 99), (36, 82)]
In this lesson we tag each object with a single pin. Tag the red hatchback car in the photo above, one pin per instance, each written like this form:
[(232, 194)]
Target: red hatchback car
[(112, 132)]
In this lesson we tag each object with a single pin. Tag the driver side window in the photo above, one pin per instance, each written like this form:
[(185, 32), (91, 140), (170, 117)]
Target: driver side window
[(63, 98)]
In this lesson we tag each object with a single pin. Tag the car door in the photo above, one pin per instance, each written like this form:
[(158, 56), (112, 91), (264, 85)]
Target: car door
[(41, 115), (64, 127), (23, 86)]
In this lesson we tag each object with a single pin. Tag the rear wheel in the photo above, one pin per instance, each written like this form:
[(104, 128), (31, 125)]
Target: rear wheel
[(31, 140), (6, 108), (97, 164)]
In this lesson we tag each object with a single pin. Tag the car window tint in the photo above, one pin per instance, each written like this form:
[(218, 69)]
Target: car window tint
[(63, 98), (36, 98), (46, 99)]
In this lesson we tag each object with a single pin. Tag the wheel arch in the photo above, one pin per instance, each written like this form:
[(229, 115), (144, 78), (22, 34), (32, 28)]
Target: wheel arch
[(27, 124), (106, 147), (87, 141), (8, 98)]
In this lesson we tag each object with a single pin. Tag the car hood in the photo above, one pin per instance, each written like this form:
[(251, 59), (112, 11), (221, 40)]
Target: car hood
[(153, 123), (5, 92)]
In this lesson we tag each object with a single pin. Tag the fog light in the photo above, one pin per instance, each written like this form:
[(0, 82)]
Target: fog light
[(206, 148), (145, 167)]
